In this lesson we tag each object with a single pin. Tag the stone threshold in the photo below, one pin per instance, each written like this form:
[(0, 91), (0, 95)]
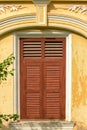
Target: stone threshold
[(51, 124)]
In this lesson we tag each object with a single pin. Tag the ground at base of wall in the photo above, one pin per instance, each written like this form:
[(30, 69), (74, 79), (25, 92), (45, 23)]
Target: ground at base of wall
[(80, 126)]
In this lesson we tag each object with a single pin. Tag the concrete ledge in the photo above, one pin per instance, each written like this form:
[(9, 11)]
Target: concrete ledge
[(42, 125)]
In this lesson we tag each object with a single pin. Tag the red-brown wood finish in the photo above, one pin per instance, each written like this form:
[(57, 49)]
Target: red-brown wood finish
[(42, 78)]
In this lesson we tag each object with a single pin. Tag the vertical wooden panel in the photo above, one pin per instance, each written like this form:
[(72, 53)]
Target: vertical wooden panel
[(53, 89), (33, 88)]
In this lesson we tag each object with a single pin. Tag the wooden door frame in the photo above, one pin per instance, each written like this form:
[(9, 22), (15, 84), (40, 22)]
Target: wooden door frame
[(44, 34)]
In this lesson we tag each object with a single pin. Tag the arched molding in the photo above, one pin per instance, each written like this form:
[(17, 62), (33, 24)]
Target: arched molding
[(68, 23), (19, 22), (29, 21)]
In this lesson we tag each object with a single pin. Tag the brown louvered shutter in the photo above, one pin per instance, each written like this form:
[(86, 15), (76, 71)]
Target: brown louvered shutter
[(31, 67), (54, 78), (43, 78)]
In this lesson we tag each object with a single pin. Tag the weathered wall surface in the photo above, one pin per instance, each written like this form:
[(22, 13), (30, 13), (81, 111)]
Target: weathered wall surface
[(79, 53), (17, 9), (79, 80), (6, 87)]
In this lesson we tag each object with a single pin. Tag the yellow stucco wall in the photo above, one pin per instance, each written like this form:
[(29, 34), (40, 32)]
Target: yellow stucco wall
[(6, 87), (79, 79), (24, 9), (79, 56)]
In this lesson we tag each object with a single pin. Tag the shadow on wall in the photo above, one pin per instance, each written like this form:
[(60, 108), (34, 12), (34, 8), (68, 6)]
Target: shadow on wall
[(80, 126)]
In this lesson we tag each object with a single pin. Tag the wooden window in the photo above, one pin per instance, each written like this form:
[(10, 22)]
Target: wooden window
[(42, 70)]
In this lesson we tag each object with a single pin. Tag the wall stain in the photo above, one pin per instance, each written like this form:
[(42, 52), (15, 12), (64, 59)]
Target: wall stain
[(79, 80)]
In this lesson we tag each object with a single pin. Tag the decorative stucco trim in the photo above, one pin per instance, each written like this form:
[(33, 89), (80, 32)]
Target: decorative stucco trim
[(17, 19), (42, 33), (69, 20), (41, 14), (5, 7), (63, 18), (80, 9), (72, 24), (38, 34), (19, 22), (68, 23)]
